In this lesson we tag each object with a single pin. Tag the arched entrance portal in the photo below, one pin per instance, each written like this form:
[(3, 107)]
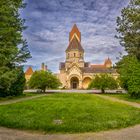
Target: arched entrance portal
[(86, 82), (74, 83)]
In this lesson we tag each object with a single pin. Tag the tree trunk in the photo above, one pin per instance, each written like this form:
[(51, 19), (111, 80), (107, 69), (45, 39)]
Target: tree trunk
[(44, 90), (103, 91)]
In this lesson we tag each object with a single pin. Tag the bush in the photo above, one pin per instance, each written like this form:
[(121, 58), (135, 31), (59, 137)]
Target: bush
[(12, 82), (18, 86)]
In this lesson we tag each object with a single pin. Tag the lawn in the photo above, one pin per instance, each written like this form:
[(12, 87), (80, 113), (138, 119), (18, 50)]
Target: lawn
[(126, 97), (68, 113)]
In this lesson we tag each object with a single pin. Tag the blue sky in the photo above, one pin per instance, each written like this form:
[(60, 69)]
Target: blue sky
[(50, 21)]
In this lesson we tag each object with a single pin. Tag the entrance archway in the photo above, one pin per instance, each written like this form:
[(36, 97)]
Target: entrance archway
[(86, 82), (74, 83)]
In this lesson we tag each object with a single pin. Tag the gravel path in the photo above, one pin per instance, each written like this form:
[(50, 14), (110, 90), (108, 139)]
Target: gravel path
[(132, 133)]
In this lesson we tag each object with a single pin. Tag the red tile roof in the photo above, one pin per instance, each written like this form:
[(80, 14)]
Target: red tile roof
[(76, 31), (29, 71)]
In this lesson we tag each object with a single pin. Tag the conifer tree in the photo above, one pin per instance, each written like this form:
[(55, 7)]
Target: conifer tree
[(13, 48)]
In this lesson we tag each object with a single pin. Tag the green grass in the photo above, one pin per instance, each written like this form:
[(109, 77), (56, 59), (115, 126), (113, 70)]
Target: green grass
[(24, 95), (78, 112), (126, 97)]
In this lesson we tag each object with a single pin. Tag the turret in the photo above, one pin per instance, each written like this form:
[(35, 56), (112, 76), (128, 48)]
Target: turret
[(108, 63)]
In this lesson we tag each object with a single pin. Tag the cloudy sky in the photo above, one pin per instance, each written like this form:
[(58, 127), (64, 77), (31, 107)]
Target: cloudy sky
[(50, 21)]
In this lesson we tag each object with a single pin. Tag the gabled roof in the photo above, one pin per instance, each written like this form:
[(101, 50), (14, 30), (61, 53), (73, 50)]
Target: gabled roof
[(74, 31), (75, 45), (29, 71)]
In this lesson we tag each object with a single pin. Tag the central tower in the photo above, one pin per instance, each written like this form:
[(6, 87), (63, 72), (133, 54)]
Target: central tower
[(74, 51)]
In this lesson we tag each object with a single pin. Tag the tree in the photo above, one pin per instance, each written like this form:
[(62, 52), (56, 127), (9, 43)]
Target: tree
[(13, 48), (103, 81), (129, 28), (43, 79), (129, 70), (16, 84)]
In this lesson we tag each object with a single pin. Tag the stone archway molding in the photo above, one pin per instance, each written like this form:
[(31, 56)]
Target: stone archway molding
[(79, 79), (86, 81)]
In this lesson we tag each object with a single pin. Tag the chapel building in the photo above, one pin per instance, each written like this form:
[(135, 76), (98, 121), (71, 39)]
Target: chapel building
[(75, 73)]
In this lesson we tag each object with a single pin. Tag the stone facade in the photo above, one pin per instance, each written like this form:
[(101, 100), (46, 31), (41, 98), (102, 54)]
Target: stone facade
[(75, 73)]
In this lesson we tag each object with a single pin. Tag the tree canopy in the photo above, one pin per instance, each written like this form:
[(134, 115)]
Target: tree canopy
[(13, 48), (129, 69), (44, 80), (128, 27), (103, 81)]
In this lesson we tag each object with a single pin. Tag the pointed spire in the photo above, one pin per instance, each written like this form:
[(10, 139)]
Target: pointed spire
[(75, 32), (29, 71)]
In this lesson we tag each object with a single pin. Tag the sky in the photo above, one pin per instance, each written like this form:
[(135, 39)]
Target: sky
[(50, 21)]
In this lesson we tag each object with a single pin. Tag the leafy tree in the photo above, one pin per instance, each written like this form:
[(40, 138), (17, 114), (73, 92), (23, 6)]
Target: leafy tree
[(13, 48), (129, 70), (43, 79), (103, 81), (129, 28)]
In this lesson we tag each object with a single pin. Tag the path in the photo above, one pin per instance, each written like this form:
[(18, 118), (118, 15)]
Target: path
[(20, 100), (75, 91), (119, 100), (132, 133)]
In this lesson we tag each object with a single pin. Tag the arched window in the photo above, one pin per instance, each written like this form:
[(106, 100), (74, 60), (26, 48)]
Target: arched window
[(74, 54), (68, 55)]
